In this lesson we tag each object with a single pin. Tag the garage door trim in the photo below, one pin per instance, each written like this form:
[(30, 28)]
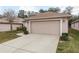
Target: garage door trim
[(45, 21)]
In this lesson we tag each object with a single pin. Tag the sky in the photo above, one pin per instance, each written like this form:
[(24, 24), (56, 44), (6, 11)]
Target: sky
[(34, 8), (39, 2), (35, 5), (26, 8)]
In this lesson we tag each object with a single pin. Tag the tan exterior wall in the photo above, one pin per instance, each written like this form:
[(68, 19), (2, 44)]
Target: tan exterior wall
[(72, 26), (65, 26), (6, 27), (75, 25), (25, 24), (15, 26)]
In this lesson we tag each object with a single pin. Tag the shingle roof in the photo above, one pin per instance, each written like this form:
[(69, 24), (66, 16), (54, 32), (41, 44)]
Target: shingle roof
[(48, 15), (75, 21), (16, 20)]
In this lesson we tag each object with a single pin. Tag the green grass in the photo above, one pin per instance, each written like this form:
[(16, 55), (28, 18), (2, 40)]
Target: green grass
[(9, 35), (70, 46)]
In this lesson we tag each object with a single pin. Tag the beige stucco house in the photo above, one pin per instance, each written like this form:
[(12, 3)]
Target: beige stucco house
[(48, 23), (5, 25), (75, 25)]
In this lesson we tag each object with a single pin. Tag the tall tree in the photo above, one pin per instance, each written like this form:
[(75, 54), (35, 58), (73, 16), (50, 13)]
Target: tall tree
[(68, 10), (31, 13), (42, 11), (10, 15), (54, 9), (22, 14)]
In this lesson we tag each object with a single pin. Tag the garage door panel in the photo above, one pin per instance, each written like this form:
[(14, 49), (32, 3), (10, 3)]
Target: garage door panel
[(45, 27)]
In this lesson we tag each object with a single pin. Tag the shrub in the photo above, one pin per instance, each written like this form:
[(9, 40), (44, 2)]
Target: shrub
[(64, 36), (19, 28), (24, 30)]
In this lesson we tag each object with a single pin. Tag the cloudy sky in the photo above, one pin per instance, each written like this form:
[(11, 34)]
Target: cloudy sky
[(35, 5), (26, 8)]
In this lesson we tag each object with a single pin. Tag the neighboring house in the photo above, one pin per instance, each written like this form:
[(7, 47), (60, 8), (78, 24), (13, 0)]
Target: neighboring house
[(48, 23), (5, 25), (16, 20), (75, 25)]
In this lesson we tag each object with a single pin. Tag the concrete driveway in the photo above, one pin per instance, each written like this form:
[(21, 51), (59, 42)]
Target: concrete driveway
[(31, 43)]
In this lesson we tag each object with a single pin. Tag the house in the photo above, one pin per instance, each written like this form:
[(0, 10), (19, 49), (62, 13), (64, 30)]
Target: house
[(5, 25), (48, 23), (75, 25)]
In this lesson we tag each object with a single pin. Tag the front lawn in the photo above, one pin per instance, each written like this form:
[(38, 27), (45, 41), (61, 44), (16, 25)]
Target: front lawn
[(9, 35), (70, 46)]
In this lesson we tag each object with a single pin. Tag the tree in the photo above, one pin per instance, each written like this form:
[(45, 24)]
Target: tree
[(31, 13), (68, 10), (42, 11), (75, 17), (52, 9), (10, 15), (22, 14)]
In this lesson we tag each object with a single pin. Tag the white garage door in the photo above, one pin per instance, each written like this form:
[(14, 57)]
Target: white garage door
[(45, 27)]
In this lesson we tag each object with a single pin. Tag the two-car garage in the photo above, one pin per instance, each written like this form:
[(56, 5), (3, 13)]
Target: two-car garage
[(48, 23), (46, 27)]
